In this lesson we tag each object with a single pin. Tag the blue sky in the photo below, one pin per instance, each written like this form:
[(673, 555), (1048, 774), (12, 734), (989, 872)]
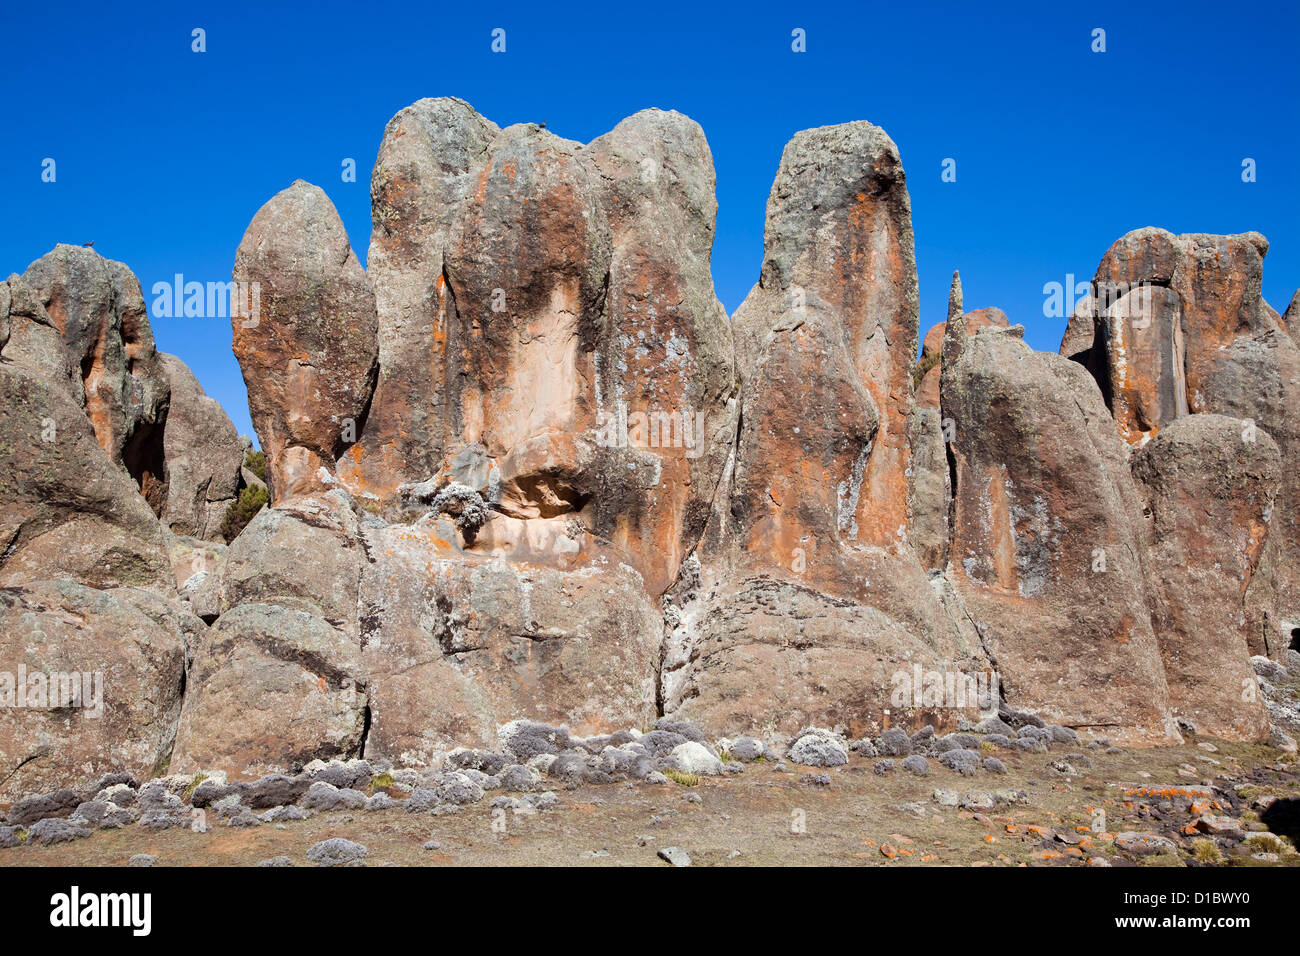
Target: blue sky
[(163, 155)]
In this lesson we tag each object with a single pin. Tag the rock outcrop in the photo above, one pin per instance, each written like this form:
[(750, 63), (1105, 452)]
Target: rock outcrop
[(1047, 553), (523, 467), (805, 589), (1175, 326), (97, 308)]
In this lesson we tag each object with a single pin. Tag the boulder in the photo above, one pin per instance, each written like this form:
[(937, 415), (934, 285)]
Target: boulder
[(99, 311), (69, 510), (1176, 325), (90, 682), (271, 689), (307, 340), (457, 644)]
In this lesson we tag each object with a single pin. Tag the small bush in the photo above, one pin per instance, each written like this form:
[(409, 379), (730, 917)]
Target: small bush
[(923, 366), (679, 776), (1206, 851), (241, 511), (255, 461)]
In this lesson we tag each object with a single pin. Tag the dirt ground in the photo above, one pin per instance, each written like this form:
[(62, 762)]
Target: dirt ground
[(765, 816)]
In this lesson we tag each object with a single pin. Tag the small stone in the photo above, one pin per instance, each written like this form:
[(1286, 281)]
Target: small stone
[(1143, 843), (675, 855), (142, 859), (276, 861)]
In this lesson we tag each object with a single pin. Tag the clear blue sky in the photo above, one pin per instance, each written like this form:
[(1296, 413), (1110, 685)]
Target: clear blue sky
[(164, 155)]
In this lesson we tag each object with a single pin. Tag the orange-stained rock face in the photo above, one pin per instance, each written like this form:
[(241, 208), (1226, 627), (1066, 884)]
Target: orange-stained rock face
[(569, 340), (806, 599), (305, 337), (97, 308)]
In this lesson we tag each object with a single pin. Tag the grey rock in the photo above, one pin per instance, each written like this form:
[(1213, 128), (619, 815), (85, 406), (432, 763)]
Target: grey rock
[(817, 747), (675, 855), (324, 796), (41, 806), (142, 859), (918, 765), (965, 762), (336, 851), (56, 830), (894, 742), (1143, 844)]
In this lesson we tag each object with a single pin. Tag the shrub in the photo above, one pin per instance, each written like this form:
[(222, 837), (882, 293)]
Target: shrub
[(255, 461), (250, 501), (679, 776)]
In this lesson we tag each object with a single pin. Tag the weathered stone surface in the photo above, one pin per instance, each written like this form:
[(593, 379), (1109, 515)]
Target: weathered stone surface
[(271, 689), (828, 337), (309, 354), (1209, 484), (306, 554), (127, 641), (32, 341), (1046, 551), (99, 311), (197, 566), (203, 455), (457, 643), (67, 509), (930, 489)]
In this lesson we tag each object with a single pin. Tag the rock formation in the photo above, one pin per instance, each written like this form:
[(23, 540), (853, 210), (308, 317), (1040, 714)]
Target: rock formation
[(523, 466), (1176, 325)]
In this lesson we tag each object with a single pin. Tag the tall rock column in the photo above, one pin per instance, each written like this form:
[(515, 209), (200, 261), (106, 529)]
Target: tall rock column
[(805, 601), (305, 335)]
